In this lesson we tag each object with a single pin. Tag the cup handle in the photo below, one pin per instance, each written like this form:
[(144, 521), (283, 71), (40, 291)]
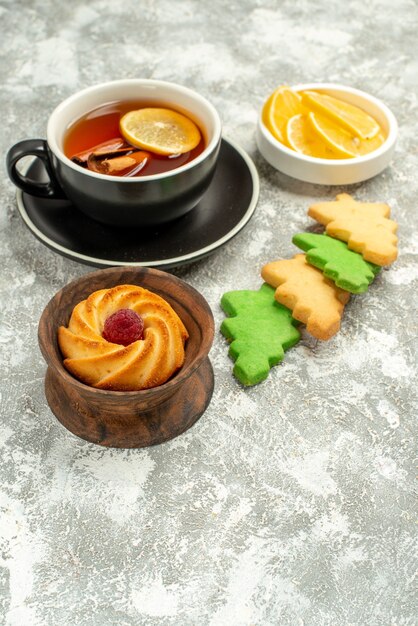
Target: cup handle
[(38, 148)]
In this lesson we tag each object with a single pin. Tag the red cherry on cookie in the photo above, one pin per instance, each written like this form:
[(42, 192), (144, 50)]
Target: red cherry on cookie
[(123, 327)]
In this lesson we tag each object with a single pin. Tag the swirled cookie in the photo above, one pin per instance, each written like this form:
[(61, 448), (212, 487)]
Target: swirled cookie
[(144, 363)]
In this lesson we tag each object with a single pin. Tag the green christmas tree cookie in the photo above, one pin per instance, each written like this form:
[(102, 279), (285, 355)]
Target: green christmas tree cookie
[(260, 329), (346, 268)]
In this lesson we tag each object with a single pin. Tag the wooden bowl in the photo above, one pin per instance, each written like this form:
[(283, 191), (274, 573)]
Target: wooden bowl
[(130, 419)]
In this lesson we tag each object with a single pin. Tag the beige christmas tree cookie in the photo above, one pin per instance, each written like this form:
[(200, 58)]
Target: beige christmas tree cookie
[(312, 298), (364, 226)]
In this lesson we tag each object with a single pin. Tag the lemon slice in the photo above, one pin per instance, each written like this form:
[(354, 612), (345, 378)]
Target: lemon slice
[(283, 104), (301, 138), (161, 131), (350, 117), (340, 140)]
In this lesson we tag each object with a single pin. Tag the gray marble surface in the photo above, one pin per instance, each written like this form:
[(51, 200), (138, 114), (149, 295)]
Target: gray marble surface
[(289, 503)]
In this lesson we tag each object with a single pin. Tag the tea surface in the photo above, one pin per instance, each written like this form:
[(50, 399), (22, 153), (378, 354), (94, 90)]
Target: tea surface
[(102, 124)]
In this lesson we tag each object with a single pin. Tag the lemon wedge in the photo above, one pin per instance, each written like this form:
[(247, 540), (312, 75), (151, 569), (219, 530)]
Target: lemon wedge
[(158, 130), (350, 117), (341, 141), (301, 138), (283, 104)]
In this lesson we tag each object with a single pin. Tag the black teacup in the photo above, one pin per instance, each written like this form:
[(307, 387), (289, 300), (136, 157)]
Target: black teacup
[(117, 200)]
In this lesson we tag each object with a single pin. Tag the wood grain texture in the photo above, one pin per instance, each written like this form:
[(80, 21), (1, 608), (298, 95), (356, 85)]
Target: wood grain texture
[(134, 418), (133, 424)]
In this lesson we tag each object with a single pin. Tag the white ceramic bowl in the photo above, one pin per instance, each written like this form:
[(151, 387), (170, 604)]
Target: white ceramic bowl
[(333, 171)]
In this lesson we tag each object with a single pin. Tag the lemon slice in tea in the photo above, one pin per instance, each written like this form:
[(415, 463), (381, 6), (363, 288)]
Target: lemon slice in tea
[(162, 131)]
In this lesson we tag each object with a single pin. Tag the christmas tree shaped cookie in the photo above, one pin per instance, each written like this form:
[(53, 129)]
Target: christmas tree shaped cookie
[(314, 299), (260, 330), (363, 225), (347, 269)]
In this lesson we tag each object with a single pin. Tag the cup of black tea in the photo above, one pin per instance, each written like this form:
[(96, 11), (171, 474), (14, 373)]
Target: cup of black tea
[(133, 152)]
